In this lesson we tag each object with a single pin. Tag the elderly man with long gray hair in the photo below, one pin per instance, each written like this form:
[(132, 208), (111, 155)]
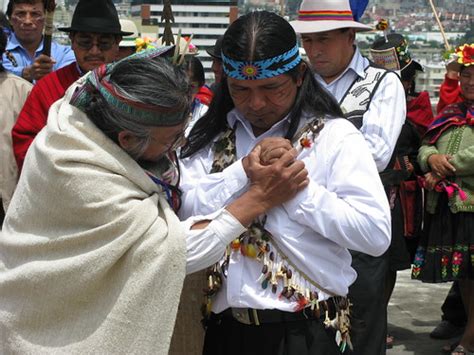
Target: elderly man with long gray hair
[(92, 255)]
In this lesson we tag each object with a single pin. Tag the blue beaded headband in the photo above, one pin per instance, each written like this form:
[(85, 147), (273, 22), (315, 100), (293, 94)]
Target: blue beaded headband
[(261, 69)]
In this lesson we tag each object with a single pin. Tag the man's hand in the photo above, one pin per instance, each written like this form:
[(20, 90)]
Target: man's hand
[(279, 181), (270, 185), (42, 65), (273, 148), (452, 69), (440, 165)]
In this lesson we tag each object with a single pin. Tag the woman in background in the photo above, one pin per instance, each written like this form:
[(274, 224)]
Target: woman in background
[(446, 249)]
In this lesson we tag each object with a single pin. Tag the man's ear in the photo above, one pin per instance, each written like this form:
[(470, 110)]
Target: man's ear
[(301, 71), (126, 140), (352, 35)]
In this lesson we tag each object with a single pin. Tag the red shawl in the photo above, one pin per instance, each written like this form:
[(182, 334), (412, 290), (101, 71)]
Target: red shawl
[(449, 93), (419, 111), (453, 115)]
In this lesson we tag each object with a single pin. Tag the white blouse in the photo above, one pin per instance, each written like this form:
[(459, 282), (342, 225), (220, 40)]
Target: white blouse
[(344, 207)]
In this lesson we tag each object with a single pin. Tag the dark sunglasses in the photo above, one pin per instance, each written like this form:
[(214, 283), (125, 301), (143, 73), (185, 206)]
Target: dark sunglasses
[(104, 44)]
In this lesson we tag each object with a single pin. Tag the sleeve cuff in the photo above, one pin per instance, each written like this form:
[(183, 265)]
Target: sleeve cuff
[(223, 224), (17, 71), (423, 157), (226, 227)]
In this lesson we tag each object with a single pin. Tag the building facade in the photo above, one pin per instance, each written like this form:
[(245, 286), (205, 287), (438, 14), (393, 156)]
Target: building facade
[(205, 20)]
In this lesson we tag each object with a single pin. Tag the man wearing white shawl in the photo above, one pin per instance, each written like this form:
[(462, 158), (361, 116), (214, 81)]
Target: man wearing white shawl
[(92, 255)]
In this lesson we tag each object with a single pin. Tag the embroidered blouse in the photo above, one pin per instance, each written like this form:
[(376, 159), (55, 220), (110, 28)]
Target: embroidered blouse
[(452, 133), (343, 207)]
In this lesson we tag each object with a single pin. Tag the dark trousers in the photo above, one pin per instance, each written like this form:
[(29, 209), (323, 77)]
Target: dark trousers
[(227, 336), (453, 308), (369, 311)]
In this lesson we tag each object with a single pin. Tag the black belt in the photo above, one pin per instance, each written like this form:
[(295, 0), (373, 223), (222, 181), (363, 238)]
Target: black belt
[(251, 316)]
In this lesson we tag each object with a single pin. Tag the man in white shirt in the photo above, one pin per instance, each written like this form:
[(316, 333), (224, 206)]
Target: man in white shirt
[(93, 256), (280, 284), (373, 100)]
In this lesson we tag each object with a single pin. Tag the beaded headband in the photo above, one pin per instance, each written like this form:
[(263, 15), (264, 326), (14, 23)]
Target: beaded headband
[(261, 69), (98, 82)]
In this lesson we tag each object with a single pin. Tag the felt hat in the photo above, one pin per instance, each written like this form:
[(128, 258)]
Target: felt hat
[(95, 16), (215, 50), (326, 15), (391, 52), (128, 26)]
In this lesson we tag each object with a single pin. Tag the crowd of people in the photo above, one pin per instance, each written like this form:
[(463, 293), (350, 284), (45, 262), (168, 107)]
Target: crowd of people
[(286, 195)]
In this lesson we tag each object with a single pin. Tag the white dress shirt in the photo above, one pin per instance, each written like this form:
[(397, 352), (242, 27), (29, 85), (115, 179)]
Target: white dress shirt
[(204, 247), (343, 207), (383, 121)]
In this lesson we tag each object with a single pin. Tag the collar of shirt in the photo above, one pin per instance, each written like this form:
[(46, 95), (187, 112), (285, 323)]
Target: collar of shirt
[(79, 70), (280, 126), (339, 86), (13, 44)]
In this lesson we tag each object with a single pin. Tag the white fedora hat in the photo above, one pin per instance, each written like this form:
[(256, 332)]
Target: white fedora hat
[(128, 26), (326, 15)]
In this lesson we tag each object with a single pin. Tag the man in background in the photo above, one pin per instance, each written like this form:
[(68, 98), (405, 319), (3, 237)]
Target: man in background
[(216, 67), (23, 55), (373, 99), (94, 43), (127, 45)]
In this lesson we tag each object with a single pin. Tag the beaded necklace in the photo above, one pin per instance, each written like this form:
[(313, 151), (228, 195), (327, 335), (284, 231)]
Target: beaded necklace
[(278, 272), (257, 243)]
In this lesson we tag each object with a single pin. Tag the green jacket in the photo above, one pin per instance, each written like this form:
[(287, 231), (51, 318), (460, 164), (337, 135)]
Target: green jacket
[(459, 143)]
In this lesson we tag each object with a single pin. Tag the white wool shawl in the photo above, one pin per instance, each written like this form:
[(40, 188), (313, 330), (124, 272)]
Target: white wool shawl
[(92, 258)]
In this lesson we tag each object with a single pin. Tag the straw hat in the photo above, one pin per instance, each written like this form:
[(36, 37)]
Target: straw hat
[(128, 26), (183, 43), (326, 15)]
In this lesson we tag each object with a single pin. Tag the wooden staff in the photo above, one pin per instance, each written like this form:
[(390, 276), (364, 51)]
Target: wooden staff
[(186, 48), (48, 27), (446, 44)]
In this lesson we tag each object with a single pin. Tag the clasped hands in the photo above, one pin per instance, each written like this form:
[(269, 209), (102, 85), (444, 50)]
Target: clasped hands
[(274, 172), (440, 168)]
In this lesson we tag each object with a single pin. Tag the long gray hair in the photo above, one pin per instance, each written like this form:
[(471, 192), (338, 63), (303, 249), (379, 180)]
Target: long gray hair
[(153, 82)]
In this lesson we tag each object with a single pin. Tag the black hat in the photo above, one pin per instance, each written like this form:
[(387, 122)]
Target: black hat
[(215, 50), (391, 52), (96, 16)]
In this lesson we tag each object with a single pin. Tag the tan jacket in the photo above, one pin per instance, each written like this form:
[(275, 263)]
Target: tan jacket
[(13, 93)]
